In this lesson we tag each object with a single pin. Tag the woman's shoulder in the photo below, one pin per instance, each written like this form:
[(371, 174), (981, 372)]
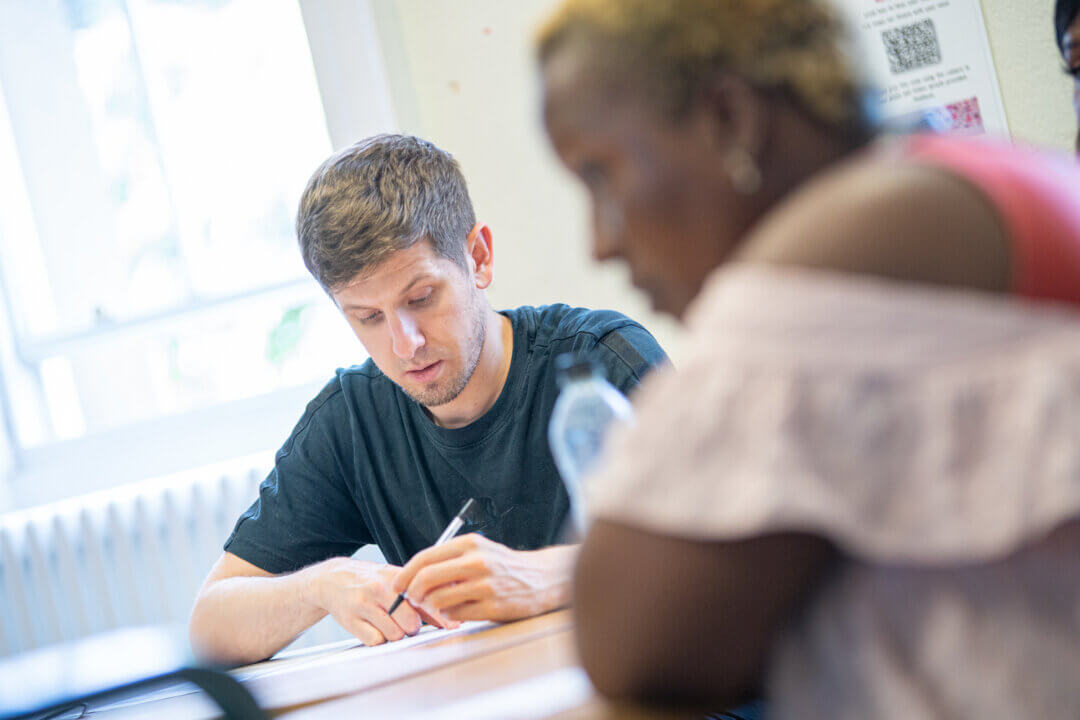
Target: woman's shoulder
[(882, 213)]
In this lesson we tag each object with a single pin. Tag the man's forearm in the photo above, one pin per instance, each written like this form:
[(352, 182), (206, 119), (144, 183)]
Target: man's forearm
[(244, 619)]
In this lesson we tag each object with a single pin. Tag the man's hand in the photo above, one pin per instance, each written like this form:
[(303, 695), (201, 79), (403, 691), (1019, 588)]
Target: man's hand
[(473, 578), (358, 593)]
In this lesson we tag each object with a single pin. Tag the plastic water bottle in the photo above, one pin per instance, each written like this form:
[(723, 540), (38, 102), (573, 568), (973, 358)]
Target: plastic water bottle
[(586, 409)]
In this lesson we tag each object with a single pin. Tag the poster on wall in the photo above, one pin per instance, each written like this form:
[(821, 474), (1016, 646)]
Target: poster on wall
[(931, 61)]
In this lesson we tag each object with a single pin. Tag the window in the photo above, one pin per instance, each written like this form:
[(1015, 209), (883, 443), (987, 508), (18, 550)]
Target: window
[(152, 153)]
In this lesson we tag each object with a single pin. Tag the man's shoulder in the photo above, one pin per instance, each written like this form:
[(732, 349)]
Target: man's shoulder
[(355, 386), (360, 393), (622, 345), (366, 386), (560, 322)]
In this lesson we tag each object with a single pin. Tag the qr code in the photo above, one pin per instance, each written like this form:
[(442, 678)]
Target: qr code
[(912, 46)]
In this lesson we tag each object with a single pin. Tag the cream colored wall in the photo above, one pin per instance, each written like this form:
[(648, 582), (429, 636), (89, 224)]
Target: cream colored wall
[(462, 75), (1036, 93)]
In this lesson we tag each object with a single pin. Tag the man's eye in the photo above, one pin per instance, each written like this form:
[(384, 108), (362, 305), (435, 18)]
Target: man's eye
[(421, 300), (370, 318)]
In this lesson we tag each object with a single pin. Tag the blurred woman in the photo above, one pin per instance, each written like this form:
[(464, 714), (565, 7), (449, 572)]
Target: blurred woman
[(859, 491)]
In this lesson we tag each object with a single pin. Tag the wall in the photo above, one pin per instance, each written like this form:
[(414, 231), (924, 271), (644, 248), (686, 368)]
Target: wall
[(1036, 93), (464, 77), (462, 74)]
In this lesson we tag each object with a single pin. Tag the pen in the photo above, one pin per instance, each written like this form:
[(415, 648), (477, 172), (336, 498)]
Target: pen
[(451, 530)]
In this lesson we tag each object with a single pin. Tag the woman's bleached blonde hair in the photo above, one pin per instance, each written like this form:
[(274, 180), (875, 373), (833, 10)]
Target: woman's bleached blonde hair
[(671, 47)]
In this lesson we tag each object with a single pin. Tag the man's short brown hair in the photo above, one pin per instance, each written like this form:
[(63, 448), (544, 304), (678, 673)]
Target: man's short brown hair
[(381, 195)]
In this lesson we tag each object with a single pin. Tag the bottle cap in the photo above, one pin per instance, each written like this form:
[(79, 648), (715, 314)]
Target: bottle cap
[(570, 367)]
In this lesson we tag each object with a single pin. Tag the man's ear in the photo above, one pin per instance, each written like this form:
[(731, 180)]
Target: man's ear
[(480, 255)]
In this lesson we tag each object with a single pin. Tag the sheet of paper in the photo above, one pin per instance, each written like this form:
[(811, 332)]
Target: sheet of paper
[(930, 58), (289, 660), (335, 652)]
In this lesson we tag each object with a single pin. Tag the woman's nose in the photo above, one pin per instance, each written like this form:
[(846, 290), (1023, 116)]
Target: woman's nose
[(608, 226)]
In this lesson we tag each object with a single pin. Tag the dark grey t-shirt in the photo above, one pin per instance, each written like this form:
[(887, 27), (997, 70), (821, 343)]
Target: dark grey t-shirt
[(366, 465)]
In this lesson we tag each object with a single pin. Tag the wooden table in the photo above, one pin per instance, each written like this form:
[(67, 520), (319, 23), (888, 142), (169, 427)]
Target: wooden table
[(526, 669)]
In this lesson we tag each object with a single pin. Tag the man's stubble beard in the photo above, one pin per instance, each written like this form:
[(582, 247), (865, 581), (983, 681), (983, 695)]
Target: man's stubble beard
[(437, 396)]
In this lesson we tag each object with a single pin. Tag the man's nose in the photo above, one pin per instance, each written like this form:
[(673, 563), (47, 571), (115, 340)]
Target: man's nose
[(405, 335)]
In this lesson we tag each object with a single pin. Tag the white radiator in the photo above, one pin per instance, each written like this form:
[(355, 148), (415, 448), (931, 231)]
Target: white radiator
[(136, 555)]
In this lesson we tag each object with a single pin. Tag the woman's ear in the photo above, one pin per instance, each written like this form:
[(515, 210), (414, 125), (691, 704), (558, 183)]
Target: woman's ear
[(735, 113), (732, 116)]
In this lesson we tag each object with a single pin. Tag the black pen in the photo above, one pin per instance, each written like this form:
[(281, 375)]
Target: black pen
[(451, 530)]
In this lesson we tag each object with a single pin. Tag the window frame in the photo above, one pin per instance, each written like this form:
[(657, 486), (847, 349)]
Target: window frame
[(355, 90)]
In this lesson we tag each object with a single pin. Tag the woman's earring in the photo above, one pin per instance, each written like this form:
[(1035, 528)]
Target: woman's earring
[(743, 171)]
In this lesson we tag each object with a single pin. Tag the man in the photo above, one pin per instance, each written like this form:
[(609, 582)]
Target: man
[(1067, 32), (453, 403)]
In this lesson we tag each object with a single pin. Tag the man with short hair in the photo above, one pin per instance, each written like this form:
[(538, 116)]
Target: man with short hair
[(453, 403)]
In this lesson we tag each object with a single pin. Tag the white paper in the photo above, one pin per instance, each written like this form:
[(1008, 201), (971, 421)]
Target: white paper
[(333, 653), (285, 662), (930, 58)]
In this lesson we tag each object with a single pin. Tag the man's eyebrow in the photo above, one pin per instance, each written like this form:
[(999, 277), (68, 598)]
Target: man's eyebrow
[(422, 276), (419, 278)]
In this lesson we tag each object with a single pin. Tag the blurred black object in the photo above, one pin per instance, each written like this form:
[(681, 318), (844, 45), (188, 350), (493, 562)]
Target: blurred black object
[(74, 679)]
